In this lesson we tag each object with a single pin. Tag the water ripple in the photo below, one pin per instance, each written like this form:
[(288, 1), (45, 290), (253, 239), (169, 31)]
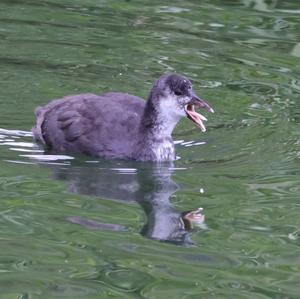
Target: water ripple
[(60, 237)]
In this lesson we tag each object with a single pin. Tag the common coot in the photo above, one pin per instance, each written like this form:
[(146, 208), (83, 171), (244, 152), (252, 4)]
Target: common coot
[(119, 125)]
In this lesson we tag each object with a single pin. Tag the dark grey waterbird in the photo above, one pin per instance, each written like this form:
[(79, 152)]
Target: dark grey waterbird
[(119, 125)]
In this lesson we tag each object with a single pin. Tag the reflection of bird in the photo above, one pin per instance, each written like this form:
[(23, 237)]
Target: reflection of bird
[(119, 125), (150, 185)]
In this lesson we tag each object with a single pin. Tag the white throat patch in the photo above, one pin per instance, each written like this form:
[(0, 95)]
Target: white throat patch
[(170, 113)]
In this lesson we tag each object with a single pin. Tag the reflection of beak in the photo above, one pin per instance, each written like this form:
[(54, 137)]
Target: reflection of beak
[(197, 118), (190, 218)]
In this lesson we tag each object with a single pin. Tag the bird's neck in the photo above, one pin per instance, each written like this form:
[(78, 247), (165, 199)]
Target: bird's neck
[(155, 140), (157, 121)]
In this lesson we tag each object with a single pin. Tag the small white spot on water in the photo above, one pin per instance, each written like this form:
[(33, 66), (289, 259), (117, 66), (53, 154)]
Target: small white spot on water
[(217, 25), (19, 162), (48, 157), (194, 144), (212, 84), (171, 9), (260, 228), (16, 132), (187, 142), (178, 141), (26, 150), (177, 168), (22, 144), (293, 236), (55, 163), (125, 170), (9, 140)]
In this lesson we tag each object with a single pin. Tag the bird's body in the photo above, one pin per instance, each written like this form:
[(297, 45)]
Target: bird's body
[(115, 125), (78, 124)]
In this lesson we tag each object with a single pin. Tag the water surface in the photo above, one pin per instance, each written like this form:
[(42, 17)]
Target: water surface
[(78, 227)]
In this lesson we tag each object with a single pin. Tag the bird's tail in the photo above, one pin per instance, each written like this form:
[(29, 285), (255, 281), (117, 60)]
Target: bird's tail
[(37, 129)]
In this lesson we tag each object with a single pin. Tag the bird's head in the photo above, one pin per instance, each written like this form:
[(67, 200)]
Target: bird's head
[(176, 98)]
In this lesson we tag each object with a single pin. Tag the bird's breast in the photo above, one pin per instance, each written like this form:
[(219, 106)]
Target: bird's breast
[(164, 151)]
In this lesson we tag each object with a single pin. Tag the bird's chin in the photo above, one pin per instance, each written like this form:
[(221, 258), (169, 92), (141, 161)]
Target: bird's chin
[(195, 117)]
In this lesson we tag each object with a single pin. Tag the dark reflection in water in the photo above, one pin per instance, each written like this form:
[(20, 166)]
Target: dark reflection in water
[(150, 185)]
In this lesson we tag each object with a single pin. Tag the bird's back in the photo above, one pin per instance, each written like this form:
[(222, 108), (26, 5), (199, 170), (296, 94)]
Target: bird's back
[(105, 125)]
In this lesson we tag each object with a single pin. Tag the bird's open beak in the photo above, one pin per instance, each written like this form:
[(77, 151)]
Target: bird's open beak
[(197, 118)]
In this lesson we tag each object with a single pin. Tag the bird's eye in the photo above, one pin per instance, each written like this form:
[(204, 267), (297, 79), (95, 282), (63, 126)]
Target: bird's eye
[(178, 92)]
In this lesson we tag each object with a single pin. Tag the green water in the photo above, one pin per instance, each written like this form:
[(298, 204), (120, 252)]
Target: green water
[(86, 228)]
